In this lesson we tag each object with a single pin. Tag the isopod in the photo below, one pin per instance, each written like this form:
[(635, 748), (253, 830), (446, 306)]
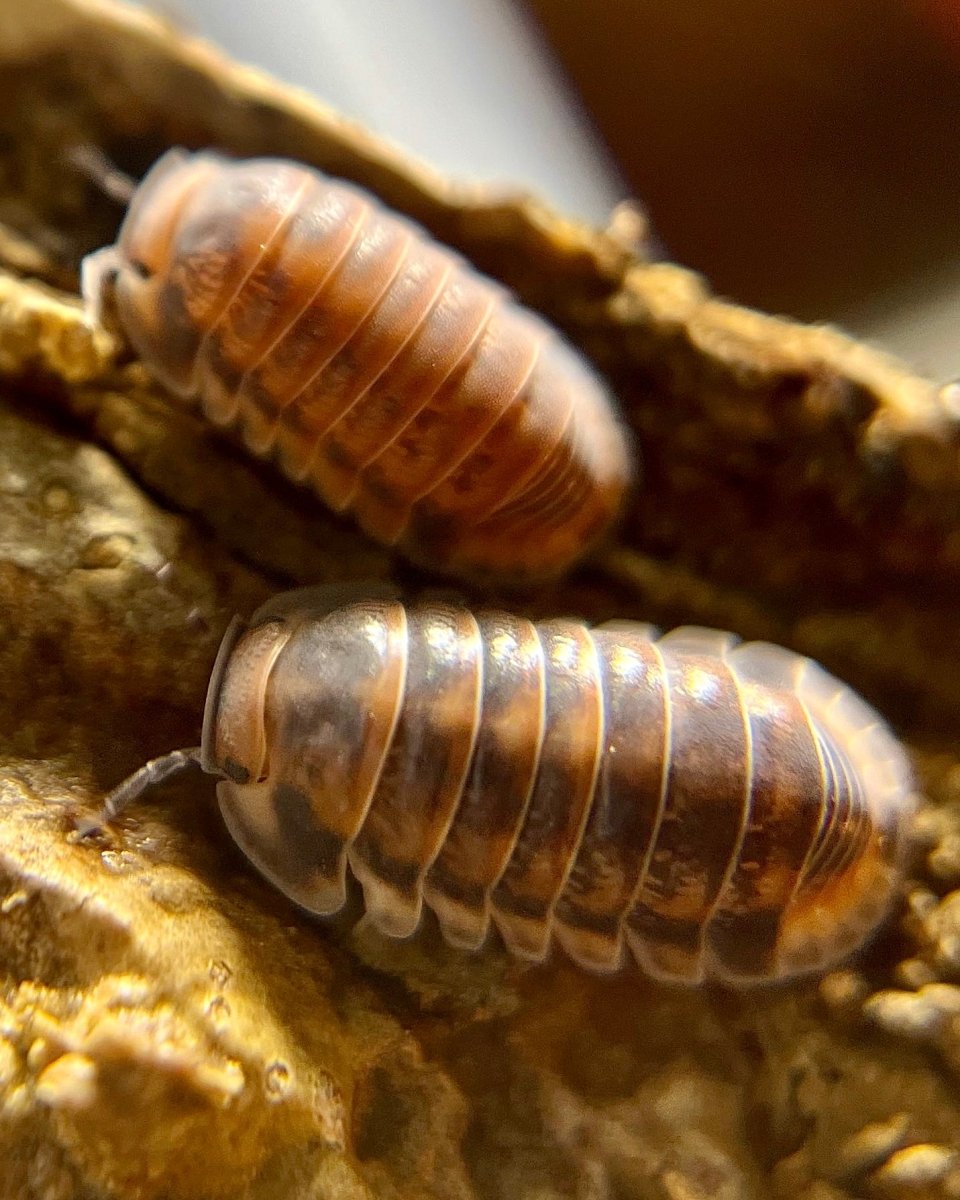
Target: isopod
[(718, 809), (375, 365)]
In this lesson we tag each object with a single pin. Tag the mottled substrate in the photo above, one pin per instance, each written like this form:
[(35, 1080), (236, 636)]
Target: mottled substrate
[(169, 1027)]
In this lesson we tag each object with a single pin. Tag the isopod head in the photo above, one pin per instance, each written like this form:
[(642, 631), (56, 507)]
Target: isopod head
[(263, 713), (131, 286)]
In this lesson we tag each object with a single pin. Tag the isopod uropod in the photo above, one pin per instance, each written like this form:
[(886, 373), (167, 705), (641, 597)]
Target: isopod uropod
[(721, 810), (372, 362)]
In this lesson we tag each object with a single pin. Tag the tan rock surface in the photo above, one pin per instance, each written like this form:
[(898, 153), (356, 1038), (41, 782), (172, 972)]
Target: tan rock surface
[(169, 1027)]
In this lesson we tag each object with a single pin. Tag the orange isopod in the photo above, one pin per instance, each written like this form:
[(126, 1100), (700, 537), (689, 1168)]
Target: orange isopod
[(719, 810), (374, 364)]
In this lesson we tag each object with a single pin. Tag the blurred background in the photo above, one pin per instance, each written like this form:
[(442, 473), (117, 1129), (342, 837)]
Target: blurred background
[(803, 155)]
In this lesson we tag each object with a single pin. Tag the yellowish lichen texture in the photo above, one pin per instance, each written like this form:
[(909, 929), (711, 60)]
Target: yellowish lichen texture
[(171, 1028)]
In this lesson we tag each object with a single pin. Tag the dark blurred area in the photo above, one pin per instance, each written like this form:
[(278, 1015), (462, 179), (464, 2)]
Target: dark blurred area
[(804, 154)]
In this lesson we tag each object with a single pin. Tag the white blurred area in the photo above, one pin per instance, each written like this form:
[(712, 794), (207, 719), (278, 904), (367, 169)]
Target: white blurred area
[(920, 324), (466, 85)]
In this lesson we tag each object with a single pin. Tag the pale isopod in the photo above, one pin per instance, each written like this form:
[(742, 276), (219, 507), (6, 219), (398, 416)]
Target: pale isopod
[(373, 363), (720, 809)]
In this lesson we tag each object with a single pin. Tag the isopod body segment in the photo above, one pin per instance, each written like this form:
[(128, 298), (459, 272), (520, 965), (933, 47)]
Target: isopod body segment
[(716, 809), (373, 363)]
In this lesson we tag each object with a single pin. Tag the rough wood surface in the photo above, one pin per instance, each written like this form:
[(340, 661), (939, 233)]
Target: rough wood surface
[(169, 1026)]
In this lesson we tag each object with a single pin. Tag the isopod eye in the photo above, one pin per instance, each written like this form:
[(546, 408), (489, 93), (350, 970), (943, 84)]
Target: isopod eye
[(140, 268)]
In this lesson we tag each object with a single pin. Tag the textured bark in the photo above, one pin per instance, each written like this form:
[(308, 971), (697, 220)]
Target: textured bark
[(169, 1026)]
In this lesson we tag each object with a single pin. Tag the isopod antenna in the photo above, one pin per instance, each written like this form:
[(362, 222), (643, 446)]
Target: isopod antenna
[(93, 164), (150, 774)]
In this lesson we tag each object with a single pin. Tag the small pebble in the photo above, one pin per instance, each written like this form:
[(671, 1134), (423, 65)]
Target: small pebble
[(128, 991), (943, 861), (922, 903), (948, 951), (916, 1166), (914, 973), (945, 996), (106, 553), (16, 1103), (276, 1080), (872, 1145), (118, 862), (222, 1081), (39, 1054), (929, 829), (69, 1082), (844, 990), (908, 1014)]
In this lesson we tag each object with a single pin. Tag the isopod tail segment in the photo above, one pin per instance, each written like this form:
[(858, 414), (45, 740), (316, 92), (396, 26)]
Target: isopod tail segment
[(714, 809)]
